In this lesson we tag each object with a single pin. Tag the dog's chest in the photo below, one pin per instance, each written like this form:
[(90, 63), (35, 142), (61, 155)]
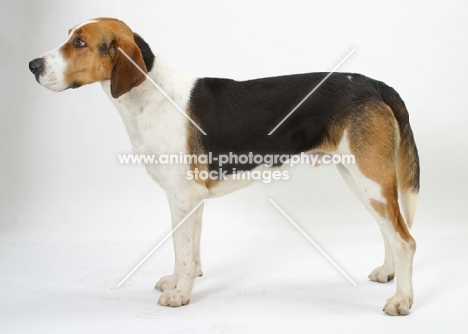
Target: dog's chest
[(155, 129), (153, 123)]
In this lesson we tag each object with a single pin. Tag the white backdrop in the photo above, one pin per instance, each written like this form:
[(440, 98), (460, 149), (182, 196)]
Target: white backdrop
[(73, 221), (59, 174)]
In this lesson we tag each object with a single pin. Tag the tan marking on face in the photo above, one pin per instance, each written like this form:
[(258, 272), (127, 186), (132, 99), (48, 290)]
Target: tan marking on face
[(95, 62)]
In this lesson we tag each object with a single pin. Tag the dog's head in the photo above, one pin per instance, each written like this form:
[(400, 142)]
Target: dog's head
[(96, 51)]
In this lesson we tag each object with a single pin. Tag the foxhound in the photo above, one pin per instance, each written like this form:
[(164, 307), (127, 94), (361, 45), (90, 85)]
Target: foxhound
[(348, 114)]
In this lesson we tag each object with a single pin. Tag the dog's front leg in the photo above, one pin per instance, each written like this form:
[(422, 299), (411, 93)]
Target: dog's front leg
[(177, 288)]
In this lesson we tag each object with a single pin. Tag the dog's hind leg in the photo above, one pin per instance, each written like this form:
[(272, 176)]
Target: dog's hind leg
[(373, 178), (385, 272)]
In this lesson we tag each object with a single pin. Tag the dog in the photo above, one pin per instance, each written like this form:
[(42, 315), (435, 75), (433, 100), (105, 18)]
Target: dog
[(348, 114)]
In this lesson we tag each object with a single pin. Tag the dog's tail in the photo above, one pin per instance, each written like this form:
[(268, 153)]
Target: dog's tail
[(407, 156)]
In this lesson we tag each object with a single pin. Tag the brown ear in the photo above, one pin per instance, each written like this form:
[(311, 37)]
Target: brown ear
[(125, 75)]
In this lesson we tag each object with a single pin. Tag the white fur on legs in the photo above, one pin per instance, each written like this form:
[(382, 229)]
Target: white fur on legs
[(196, 243), (347, 177), (177, 288), (169, 282), (386, 272), (399, 253), (403, 251)]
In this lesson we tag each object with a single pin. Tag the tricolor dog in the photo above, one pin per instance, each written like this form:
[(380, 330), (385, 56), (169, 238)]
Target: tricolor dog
[(347, 114)]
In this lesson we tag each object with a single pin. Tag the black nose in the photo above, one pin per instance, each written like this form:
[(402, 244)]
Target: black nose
[(36, 66)]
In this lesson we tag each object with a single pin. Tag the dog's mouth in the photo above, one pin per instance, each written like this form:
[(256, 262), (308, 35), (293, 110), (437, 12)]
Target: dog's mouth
[(75, 84), (47, 78)]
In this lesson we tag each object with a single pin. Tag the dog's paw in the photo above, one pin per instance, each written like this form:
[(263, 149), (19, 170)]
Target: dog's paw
[(166, 283), (398, 305), (382, 274), (174, 298)]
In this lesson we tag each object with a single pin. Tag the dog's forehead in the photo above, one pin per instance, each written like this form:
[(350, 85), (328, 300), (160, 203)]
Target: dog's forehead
[(72, 31), (100, 26)]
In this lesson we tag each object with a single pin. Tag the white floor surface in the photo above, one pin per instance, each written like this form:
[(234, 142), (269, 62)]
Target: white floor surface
[(249, 286)]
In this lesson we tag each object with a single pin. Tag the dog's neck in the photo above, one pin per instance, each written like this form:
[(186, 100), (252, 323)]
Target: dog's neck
[(162, 77), (146, 109), (170, 79)]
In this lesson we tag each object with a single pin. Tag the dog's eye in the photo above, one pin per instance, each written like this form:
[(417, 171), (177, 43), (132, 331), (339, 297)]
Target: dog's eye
[(78, 43)]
